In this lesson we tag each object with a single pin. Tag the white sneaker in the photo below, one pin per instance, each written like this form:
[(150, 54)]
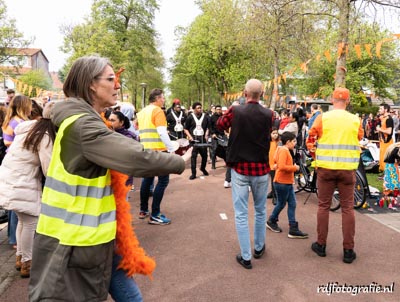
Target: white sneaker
[(227, 184)]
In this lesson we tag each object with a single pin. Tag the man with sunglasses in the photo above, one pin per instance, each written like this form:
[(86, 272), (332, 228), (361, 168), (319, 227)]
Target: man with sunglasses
[(196, 128)]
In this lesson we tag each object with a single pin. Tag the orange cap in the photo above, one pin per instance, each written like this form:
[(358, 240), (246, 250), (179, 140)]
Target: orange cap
[(341, 93)]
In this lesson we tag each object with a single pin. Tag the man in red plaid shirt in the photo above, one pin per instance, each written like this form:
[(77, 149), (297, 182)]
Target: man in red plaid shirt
[(247, 155)]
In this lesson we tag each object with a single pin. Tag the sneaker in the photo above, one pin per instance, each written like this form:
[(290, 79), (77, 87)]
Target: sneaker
[(269, 196), (297, 234), (245, 263), (227, 184), (273, 226), (319, 249), (160, 219), (144, 214), (258, 254), (192, 177), (349, 256)]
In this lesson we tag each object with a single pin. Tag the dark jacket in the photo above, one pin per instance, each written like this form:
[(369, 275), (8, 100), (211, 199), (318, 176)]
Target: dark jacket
[(250, 134)]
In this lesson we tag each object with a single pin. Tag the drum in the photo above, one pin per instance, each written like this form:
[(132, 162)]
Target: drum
[(176, 146), (183, 146)]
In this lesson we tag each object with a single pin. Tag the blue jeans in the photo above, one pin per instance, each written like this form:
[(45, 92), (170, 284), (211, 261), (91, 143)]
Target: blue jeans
[(123, 288), (240, 197), (284, 193), (12, 227), (157, 194)]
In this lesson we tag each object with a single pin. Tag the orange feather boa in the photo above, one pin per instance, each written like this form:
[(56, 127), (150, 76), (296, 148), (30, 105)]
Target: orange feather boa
[(134, 259)]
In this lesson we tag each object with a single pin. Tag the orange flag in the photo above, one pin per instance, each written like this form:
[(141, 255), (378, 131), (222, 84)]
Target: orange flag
[(379, 46), (368, 49), (340, 49), (397, 36), (284, 77), (357, 48), (327, 54)]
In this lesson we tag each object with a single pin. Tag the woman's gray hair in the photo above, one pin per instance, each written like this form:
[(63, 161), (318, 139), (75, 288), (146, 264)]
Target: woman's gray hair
[(81, 75)]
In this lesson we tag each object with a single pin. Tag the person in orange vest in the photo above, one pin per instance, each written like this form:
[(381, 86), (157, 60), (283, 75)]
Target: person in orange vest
[(338, 133)]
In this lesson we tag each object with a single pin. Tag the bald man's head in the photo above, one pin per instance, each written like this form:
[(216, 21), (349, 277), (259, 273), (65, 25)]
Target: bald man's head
[(253, 89)]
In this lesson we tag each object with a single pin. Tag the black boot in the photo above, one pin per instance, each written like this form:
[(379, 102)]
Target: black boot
[(295, 233)]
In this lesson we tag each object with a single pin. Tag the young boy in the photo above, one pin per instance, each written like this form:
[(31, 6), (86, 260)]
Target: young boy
[(283, 185)]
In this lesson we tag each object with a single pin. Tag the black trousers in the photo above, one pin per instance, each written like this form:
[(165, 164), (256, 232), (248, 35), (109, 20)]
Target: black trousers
[(203, 153)]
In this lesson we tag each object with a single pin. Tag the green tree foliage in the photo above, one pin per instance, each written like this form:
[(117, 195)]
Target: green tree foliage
[(10, 38), (123, 31), (37, 78)]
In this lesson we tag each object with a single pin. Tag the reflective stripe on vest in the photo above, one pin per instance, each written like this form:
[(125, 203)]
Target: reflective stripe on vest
[(338, 148), (149, 137), (77, 211)]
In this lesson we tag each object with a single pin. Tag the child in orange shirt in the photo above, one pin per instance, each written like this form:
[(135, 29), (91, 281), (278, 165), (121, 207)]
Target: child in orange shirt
[(273, 145), (283, 184)]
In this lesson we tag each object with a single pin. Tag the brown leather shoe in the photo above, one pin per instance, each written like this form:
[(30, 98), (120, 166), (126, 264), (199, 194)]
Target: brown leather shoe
[(18, 263), (26, 269)]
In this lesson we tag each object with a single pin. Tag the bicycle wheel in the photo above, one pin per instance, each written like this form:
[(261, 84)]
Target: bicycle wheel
[(360, 191), (360, 194), (301, 179), (335, 204)]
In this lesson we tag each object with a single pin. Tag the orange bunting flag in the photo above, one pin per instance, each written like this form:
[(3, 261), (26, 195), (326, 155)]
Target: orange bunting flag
[(368, 49), (379, 46), (303, 66), (327, 54), (30, 90), (284, 77), (357, 48), (340, 49), (397, 36), (279, 80)]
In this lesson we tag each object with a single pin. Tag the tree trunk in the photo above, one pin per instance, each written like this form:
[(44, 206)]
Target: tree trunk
[(275, 89), (344, 21)]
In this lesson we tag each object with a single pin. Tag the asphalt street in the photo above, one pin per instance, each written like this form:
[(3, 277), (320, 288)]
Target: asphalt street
[(195, 255)]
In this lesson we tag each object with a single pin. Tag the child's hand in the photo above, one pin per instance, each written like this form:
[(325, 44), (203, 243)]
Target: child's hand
[(297, 167)]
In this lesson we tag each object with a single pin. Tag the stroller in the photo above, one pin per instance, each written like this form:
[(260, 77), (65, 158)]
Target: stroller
[(369, 156)]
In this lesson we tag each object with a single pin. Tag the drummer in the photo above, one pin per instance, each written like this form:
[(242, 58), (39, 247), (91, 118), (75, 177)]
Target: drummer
[(176, 120), (216, 135), (196, 128)]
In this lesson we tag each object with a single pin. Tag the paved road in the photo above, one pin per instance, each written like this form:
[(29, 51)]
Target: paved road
[(196, 254)]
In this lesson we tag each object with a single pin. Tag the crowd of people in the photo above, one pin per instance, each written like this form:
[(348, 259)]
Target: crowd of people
[(69, 215)]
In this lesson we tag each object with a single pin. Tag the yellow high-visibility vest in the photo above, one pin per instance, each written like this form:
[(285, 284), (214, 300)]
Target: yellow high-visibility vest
[(338, 148), (77, 211), (149, 137)]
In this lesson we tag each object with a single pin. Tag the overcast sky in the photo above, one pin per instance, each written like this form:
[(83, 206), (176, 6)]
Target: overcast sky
[(42, 19)]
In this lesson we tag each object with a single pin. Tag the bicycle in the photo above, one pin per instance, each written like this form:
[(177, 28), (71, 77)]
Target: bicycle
[(306, 180)]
